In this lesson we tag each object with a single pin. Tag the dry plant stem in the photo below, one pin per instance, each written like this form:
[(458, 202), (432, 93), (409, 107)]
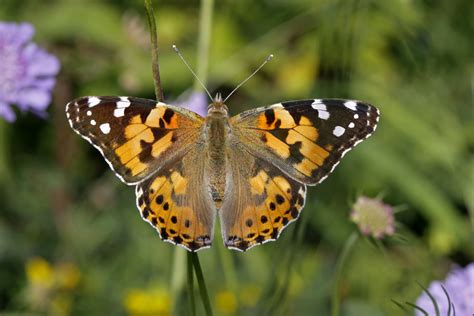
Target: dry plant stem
[(154, 50)]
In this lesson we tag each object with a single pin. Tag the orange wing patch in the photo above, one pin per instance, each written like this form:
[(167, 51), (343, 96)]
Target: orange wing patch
[(149, 137), (291, 140)]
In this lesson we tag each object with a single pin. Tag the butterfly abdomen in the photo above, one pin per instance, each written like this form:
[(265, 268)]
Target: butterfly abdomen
[(216, 132)]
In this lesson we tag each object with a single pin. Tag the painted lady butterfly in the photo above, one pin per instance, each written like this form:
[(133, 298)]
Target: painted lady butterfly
[(251, 169)]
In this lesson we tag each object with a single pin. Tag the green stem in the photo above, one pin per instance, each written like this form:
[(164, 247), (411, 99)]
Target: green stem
[(177, 275), (201, 283), (205, 22), (192, 301), (335, 300), (4, 170), (155, 67)]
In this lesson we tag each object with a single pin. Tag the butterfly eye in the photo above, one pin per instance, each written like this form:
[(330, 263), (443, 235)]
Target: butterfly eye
[(217, 107)]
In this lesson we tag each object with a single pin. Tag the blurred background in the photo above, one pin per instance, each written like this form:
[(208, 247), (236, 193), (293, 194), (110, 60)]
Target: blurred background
[(72, 241)]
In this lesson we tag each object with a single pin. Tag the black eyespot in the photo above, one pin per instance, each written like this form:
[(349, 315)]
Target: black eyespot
[(159, 199), (263, 219), (166, 206), (279, 199), (174, 220), (249, 223)]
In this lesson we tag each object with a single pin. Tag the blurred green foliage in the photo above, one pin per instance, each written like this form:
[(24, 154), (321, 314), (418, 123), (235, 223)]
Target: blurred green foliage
[(72, 242)]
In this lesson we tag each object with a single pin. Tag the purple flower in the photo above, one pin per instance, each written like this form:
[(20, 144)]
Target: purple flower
[(196, 102), (373, 217), (27, 72), (460, 287)]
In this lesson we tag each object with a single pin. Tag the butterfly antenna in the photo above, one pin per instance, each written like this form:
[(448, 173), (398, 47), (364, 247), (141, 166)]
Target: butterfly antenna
[(190, 69), (247, 79)]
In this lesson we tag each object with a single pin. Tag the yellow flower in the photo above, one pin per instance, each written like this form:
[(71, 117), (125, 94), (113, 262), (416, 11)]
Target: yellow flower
[(226, 302), (155, 302), (39, 272), (68, 276)]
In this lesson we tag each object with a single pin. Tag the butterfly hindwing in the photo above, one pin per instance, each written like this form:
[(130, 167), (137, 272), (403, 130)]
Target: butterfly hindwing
[(306, 139), (260, 200), (177, 203), (134, 135)]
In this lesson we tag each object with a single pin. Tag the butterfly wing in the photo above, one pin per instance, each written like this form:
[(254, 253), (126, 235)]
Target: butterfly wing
[(274, 152), (260, 200), (177, 202), (306, 139), (134, 135)]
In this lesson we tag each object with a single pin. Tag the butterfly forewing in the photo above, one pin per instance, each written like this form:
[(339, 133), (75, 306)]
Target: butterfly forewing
[(134, 135), (306, 139)]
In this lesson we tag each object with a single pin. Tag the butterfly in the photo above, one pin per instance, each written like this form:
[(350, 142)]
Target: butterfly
[(250, 170)]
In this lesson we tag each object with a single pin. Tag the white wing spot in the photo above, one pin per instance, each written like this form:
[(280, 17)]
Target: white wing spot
[(123, 103), (351, 125), (321, 108), (351, 105), (89, 113), (356, 116), (105, 128), (318, 105), (338, 131), (324, 115), (119, 112), (93, 122), (93, 101)]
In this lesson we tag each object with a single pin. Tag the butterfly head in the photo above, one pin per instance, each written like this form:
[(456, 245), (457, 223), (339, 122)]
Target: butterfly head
[(217, 106)]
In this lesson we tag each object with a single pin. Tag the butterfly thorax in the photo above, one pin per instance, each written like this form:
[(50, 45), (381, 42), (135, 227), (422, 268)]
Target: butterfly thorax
[(216, 134)]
